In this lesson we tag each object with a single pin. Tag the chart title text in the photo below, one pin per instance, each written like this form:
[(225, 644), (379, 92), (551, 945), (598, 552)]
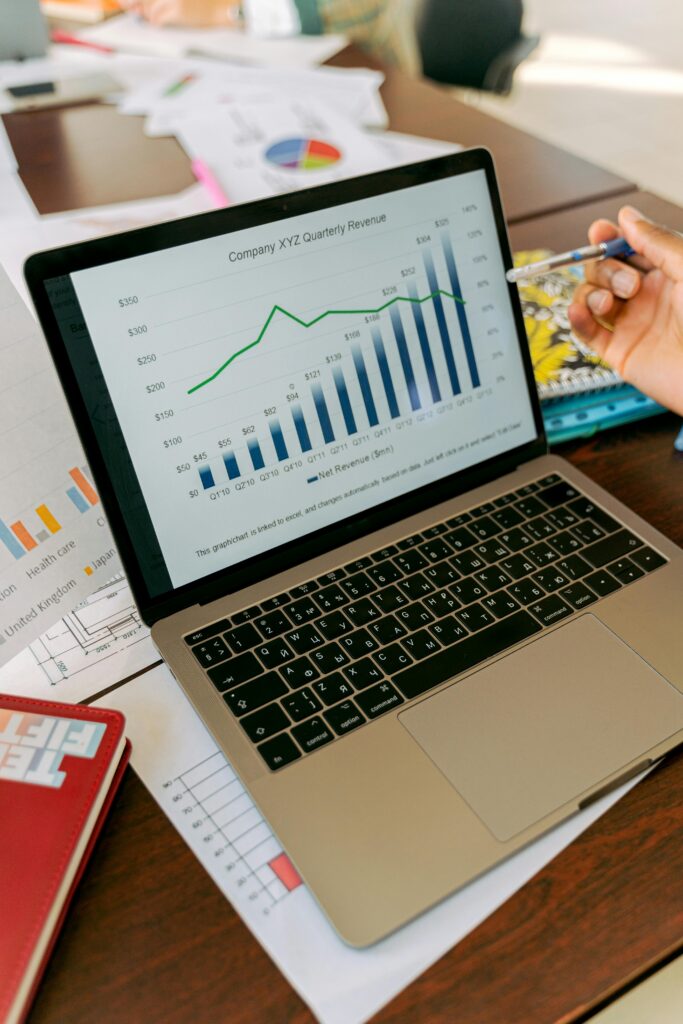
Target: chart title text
[(294, 240)]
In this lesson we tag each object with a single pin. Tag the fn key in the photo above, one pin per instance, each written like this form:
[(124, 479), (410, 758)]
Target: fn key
[(278, 752)]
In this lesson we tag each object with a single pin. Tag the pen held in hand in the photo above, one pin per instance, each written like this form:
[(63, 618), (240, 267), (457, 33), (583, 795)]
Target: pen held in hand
[(616, 248)]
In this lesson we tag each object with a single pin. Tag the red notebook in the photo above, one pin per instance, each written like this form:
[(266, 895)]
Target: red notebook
[(60, 765)]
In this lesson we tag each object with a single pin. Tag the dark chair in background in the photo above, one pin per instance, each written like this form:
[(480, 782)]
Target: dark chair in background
[(473, 43)]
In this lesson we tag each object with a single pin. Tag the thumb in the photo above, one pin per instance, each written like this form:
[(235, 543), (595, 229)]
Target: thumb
[(662, 247)]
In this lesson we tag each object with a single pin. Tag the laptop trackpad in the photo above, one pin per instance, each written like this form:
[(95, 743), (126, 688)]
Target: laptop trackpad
[(541, 726)]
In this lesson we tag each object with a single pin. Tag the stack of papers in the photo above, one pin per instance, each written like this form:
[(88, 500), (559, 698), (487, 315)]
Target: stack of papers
[(127, 33), (260, 131), (192, 87), (266, 131)]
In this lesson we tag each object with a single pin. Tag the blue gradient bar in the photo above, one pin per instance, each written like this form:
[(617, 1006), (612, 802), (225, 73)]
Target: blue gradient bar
[(441, 321), (323, 414), (231, 467), (460, 308), (10, 541), (78, 499), (206, 477), (254, 449), (404, 355), (278, 439), (301, 428), (385, 373), (424, 344), (365, 388), (342, 392)]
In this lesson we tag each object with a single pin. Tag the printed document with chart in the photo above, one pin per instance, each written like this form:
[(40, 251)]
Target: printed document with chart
[(282, 146), (54, 539)]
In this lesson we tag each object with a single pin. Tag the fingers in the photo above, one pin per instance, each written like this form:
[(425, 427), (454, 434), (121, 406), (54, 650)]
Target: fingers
[(621, 278), (618, 277), (663, 248), (602, 231), (588, 330), (161, 12), (600, 302), (592, 314)]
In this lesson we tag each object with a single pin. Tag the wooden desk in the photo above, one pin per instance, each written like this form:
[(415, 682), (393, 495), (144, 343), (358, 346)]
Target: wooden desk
[(535, 177), (150, 938), (567, 228), (66, 156)]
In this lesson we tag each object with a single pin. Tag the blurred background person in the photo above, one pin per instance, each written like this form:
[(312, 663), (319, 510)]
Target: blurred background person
[(385, 28)]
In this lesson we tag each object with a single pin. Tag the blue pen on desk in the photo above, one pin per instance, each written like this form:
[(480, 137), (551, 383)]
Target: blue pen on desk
[(616, 248)]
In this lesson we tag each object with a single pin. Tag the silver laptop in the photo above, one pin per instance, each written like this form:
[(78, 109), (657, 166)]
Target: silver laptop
[(421, 640)]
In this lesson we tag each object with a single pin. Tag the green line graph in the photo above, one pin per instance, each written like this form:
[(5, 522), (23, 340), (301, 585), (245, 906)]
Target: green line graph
[(316, 320)]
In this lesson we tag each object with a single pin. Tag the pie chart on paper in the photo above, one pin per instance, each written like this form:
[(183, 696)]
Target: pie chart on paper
[(303, 154)]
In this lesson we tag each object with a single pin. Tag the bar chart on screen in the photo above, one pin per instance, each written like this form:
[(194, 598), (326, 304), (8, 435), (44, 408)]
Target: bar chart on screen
[(403, 341), (290, 372), (55, 545)]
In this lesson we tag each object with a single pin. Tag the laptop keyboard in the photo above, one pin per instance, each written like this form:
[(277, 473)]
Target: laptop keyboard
[(311, 664)]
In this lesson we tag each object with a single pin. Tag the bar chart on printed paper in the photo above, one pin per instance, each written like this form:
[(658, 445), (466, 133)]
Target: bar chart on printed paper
[(203, 795), (38, 524), (55, 545), (223, 814)]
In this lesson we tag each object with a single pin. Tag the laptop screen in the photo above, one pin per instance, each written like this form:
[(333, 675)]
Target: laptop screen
[(271, 382)]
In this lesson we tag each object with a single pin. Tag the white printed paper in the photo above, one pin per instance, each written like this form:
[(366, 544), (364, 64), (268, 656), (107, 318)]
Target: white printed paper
[(24, 232), (99, 643), (197, 87), (55, 544), (244, 147)]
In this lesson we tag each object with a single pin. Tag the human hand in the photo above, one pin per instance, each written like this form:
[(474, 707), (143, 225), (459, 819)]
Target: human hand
[(191, 13), (633, 318)]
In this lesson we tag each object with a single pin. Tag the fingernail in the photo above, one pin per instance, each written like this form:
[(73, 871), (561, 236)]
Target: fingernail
[(624, 283), (599, 301), (630, 214)]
